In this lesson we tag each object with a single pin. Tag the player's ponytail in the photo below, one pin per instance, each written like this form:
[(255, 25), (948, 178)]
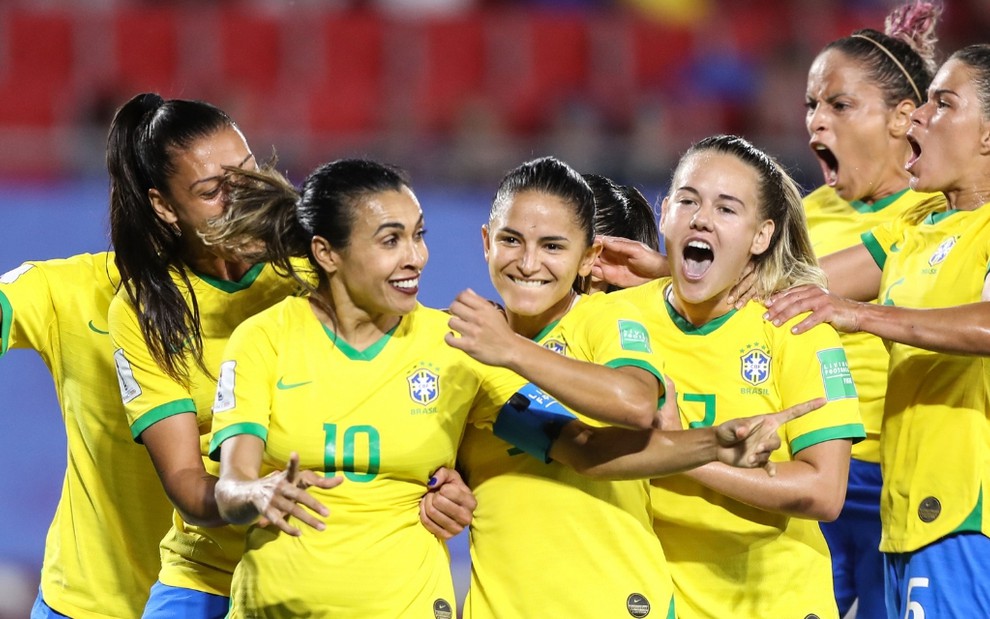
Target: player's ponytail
[(146, 134)]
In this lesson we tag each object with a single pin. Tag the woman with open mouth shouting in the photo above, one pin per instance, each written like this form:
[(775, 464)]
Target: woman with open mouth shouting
[(930, 273), (862, 90), (743, 544)]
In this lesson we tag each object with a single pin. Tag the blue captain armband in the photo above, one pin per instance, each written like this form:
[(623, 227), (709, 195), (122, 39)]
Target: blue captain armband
[(531, 421)]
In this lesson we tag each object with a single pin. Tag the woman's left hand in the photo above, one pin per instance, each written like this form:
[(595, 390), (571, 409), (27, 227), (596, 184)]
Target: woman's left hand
[(448, 505)]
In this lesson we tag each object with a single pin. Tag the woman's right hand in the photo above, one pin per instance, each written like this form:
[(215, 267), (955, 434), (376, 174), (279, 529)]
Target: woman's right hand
[(481, 329), (748, 442), (626, 263), (282, 494)]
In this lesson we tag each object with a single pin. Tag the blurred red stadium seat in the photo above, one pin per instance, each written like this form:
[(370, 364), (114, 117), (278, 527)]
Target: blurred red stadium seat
[(146, 48), (251, 49), (541, 61), (36, 70), (453, 69), (348, 97), (659, 51)]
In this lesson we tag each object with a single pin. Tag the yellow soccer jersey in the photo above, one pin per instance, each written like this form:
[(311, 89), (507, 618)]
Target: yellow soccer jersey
[(192, 557), (935, 450), (834, 225), (548, 542), (385, 418), (728, 559), (101, 554)]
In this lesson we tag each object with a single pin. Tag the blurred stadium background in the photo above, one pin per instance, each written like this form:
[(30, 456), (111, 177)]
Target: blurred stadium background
[(455, 91)]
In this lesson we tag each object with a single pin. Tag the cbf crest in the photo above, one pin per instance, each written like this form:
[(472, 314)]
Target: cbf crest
[(755, 366), (555, 345), (424, 385), (942, 251)]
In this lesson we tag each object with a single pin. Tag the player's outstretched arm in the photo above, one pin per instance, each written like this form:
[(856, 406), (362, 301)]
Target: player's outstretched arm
[(812, 485), (243, 498), (617, 453), (448, 506), (959, 330)]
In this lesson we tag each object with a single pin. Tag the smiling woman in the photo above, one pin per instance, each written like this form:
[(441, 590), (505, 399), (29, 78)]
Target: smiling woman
[(353, 378)]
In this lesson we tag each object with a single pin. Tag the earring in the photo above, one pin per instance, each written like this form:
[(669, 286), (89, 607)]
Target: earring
[(176, 229)]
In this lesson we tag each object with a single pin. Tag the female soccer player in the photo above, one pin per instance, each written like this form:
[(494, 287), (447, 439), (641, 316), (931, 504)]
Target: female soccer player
[(179, 301), (101, 555), (861, 92), (358, 380), (931, 279), (741, 544), (538, 241)]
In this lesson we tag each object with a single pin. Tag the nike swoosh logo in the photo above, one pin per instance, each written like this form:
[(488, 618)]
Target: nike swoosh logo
[(894, 248), (283, 385), (92, 327)]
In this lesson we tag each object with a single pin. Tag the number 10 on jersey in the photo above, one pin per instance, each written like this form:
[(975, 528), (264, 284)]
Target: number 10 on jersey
[(355, 438)]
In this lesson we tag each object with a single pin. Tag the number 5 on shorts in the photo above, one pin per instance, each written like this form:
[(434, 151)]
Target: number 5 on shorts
[(914, 609)]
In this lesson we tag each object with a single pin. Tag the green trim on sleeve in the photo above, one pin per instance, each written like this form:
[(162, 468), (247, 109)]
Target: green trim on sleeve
[(876, 250), (643, 365), (854, 431), (185, 405), (635, 363), (5, 322), (245, 427)]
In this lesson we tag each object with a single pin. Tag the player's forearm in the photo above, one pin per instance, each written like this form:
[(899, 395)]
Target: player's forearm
[(852, 273), (796, 490), (960, 330), (193, 496), (610, 395), (618, 453)]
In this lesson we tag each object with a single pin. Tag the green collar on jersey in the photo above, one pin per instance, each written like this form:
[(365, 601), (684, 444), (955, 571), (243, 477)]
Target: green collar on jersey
[(354, 354), (687, 327), (937, 216), (232, 286), (879, 205)]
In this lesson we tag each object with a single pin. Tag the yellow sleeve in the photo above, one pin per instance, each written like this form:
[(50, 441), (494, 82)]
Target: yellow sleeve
[(28, 309), (148, 394), (883, 239), (813, 365), (243, 402), (615, 334)]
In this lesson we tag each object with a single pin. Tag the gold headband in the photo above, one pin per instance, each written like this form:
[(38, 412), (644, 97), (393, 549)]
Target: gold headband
[(883, 49)]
